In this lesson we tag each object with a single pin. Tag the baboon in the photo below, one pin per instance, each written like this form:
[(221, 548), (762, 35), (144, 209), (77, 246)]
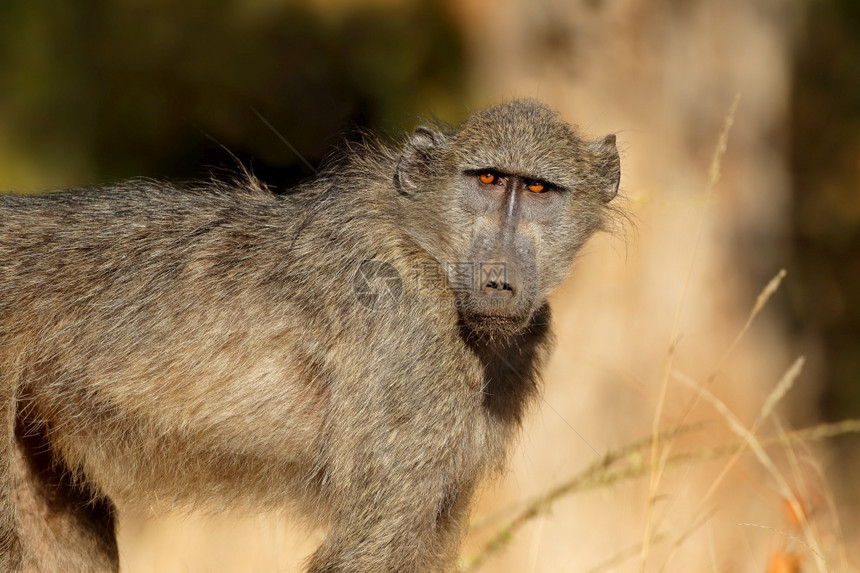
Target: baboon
[(361, 349)]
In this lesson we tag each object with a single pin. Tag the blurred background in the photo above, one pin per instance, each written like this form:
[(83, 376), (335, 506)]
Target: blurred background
[(95, 91)]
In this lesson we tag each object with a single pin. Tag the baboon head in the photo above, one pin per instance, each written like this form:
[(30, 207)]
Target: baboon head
[(504, 202)]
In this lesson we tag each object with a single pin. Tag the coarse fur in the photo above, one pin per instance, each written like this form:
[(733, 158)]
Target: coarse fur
[(221, 346)]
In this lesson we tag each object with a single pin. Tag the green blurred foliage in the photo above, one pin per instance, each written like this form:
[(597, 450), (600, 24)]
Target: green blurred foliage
[(825, 163), (106, 89)]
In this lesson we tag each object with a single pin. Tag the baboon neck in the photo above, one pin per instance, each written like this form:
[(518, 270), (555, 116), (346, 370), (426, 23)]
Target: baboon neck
[(512, 367)]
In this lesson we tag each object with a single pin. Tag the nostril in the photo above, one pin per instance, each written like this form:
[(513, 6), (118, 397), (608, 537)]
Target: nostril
[(498, 288)]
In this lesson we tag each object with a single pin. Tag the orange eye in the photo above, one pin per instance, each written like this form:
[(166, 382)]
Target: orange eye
[(536, 187), (487, 178)]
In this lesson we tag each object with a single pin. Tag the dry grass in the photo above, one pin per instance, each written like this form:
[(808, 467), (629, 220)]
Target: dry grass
[(660, 455), (627, 463)]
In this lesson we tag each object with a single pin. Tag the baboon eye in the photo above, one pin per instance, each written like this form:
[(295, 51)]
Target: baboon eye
[(536, 187), (487, 178)]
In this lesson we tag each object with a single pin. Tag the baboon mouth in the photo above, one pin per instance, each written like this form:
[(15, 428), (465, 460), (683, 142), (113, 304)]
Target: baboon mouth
[(495, 324)]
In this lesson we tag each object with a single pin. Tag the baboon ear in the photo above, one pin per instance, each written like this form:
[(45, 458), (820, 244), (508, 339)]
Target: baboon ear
[(608, 166), (414, 164)]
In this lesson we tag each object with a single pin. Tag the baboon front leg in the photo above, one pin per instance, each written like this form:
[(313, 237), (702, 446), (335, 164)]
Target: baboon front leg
[(61, 524), (10, 531), (422, 536)]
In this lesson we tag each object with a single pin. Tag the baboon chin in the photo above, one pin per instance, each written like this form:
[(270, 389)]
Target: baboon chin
[(493, 319), (219, 344)]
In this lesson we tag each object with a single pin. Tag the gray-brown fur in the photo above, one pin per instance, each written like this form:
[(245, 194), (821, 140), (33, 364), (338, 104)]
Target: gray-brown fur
[(204, 347)]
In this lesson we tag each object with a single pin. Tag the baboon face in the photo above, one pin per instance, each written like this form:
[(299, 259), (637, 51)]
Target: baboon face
[(519, 193)]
